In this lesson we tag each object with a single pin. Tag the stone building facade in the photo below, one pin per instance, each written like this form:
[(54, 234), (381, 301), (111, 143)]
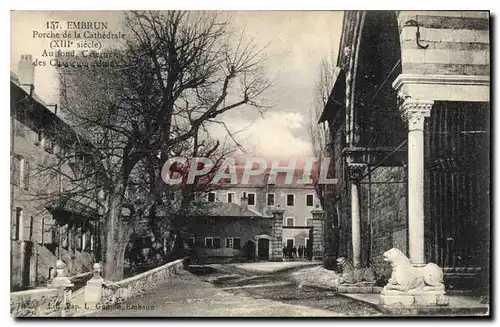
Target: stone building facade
[(42, 229), (296, 200), (409, 129), (229, 232)]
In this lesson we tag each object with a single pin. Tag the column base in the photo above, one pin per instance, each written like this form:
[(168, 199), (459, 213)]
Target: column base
[(93, 291)]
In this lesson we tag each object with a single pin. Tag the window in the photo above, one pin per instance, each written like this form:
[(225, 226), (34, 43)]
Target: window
[(49, 145), (54, 235), (290, 200), (18, 225), (251, 199), (61, 184), (270, 199), (233, 243), (290, 242), (269, 179), (236, 243), (19, 128), (310, 200), (26, 168), (56, 148), (17, 163), (230, 197), (217, 242), (290, 221), (84, 241), (211, 197), (32, 225), (40, 138), (209, 242)]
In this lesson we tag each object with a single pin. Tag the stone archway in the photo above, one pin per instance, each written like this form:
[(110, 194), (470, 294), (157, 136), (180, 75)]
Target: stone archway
[(374, 127), (375, 63)]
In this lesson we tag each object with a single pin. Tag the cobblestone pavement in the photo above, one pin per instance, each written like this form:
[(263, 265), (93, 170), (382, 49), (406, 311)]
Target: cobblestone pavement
[(188, 295)]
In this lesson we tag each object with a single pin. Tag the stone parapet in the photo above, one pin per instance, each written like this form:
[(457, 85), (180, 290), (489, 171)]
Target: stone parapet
[(117, 292), (36, 303)]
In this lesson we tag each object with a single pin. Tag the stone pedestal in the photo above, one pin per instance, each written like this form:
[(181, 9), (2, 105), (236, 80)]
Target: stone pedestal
[(397, 299), (93, 290), (62, 281), (413, 299), (411, 286), (318, 245), (276, 241)]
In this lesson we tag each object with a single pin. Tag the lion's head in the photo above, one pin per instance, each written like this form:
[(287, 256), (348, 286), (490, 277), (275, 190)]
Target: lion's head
[(393, 255)]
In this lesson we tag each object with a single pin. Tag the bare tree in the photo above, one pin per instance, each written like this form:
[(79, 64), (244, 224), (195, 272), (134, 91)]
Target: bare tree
[(319, 133), (178, 72)]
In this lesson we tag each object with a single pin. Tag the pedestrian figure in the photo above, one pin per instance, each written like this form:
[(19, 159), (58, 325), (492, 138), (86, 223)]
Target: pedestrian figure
[(284, 252), (294, 252), (301, 251)]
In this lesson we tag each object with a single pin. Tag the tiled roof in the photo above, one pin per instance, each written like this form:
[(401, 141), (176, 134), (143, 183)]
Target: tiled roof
[(221, 209)]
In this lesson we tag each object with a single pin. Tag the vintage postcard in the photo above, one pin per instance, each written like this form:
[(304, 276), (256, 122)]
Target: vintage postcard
[(250, 163)]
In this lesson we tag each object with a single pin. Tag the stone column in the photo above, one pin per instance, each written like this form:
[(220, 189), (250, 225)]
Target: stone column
[(414, 113), (356, 171), (276, 241), (318, 245)]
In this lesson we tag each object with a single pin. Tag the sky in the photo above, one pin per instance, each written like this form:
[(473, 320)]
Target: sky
[(294, 41)]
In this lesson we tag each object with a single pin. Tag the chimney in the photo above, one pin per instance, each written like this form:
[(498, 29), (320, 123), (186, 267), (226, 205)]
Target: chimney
[(26, 74), (244, 201)]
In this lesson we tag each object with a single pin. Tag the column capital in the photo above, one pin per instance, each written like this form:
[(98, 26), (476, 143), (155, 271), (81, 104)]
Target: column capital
[(356, 171), (317, 213), (414, 112), (277, 211)]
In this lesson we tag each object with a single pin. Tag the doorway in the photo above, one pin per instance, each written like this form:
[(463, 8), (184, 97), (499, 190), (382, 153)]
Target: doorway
[(263, 249)]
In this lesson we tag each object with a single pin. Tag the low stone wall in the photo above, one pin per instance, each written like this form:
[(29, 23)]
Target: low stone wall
[(36, 302), (114, 293)]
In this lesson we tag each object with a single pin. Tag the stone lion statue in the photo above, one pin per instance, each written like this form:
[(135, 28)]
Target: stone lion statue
[(350, 275), (407, 278)]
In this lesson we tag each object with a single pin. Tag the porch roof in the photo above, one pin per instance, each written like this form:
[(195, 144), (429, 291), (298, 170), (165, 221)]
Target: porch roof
[(336, 99)]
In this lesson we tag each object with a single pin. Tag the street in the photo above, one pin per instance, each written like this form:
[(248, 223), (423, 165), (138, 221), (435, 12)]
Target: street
[(237, 295)]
